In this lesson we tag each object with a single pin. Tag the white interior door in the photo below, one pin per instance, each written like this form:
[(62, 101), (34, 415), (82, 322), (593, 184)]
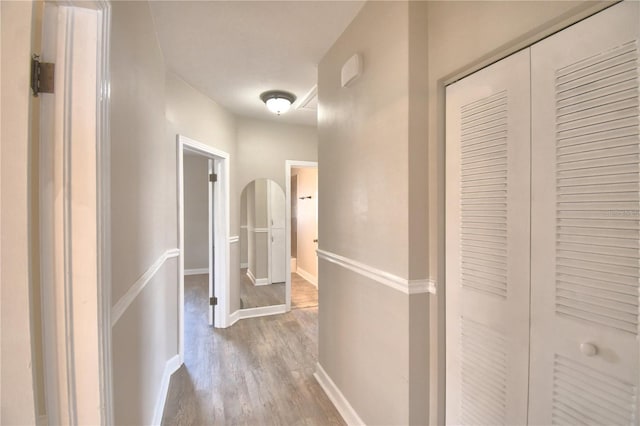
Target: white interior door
[(212, 239), (586, 222), (487, 253), (277, 232)]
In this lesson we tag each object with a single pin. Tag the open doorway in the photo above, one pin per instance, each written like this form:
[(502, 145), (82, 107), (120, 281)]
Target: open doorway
[(302, 234), (203, 216)]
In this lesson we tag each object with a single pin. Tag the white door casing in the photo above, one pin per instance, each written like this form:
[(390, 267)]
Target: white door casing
[(585, 222), (211, 170), (74, 214), (277, 259), (487, 252)]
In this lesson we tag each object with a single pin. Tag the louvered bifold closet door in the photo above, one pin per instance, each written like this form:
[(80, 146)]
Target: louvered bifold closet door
[(487, 245), (586, 222)]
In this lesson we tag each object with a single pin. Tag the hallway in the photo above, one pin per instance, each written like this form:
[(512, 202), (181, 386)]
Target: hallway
[(259, 371)]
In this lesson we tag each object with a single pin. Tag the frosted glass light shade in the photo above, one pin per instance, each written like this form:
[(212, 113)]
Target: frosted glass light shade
[(278, 101), (278, 105)]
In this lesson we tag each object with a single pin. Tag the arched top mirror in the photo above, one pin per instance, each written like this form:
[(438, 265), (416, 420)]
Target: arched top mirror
[(262, 245)]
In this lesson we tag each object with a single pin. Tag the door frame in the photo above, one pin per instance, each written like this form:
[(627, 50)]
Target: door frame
[(75, 220), (221, 227), (291, 164)]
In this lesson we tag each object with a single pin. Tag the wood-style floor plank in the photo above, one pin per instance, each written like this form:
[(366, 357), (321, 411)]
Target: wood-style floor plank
[(254, 296), (303, 293), (257, 372)]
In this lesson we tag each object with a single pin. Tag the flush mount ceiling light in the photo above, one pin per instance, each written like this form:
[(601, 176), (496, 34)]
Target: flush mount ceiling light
[(278, 101)]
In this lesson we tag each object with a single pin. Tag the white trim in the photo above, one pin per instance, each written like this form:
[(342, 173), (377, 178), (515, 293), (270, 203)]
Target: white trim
[(244, 226), (196, 271), (304, 101), (234, 239), (252, 278), (262, 311), (234, 317), (390, 280), (75, 234), (260, 230), (244, 265), (103, 177), (341, 403), (169, 368), (288, 165), (307, 276), (133, 292), (257, 281)]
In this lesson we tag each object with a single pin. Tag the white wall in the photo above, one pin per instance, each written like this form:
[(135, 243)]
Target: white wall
[(17, 401), (196, 212), (307, 231)]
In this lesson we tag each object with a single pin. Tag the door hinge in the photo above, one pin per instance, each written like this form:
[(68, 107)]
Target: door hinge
[(213, 301), (42, 76), (213, 177)]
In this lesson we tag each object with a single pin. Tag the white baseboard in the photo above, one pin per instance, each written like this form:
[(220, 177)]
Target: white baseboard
[(307, 276), (233, 318), (257, 281), (170, 367), (197, 271), (261, 311), (244, 265), (339, 401)]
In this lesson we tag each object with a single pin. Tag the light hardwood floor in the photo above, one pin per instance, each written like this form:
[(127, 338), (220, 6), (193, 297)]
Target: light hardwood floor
[(257, 372), (303, 293)]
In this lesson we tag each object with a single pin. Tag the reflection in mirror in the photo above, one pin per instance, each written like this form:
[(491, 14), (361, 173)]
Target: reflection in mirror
[(262, 245)]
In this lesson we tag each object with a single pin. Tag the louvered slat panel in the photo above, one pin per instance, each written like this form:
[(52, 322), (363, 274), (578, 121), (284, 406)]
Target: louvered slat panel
[(584, 395), (484, 374), (598, 192), (484, 194)]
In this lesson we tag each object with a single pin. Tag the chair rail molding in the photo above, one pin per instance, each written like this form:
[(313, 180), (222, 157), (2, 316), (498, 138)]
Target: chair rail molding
[(390, 280), (125, 301)]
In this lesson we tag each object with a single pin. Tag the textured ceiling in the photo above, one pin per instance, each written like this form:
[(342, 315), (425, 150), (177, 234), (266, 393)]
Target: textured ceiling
[(234, 50)]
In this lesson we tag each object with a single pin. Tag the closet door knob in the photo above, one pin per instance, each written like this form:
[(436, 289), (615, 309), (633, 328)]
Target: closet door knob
[(588, 349)]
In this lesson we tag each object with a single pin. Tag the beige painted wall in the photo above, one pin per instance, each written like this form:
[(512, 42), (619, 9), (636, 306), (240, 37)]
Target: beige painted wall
[(142, 213), (17, 400), (363, 133), (368, 338), (196, 212), (264, 146), (307, 220), (462, 37)]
